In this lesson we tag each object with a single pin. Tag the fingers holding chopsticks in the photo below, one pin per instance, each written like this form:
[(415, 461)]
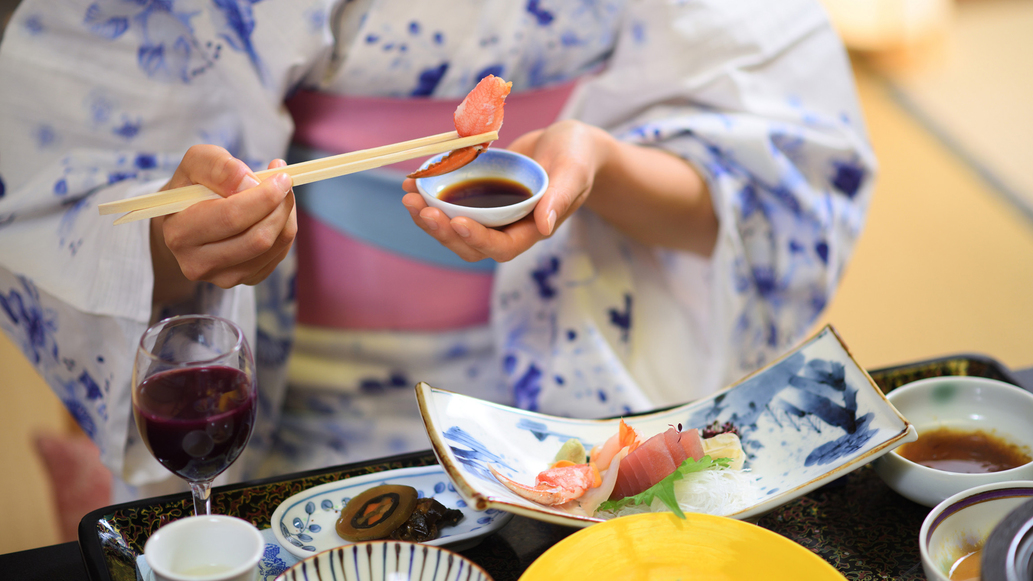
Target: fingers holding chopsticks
[(235, 240), (214, 167)]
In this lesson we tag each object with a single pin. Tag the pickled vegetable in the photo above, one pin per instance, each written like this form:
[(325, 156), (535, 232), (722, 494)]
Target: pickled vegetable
[(376, 512), (426, 521)]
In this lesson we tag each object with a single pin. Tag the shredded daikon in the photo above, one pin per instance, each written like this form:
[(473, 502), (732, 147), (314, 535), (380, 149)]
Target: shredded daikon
[(721, 492)]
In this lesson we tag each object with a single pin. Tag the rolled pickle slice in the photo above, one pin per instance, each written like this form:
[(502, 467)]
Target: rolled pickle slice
[(376, 512)]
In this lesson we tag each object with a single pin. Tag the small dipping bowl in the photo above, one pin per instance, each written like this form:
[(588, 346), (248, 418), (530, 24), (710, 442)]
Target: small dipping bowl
[(1000, 410), (205, 548), (961, 524), (492, 163)]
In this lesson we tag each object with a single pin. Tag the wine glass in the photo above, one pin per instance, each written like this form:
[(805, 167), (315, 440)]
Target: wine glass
[(194, 398)]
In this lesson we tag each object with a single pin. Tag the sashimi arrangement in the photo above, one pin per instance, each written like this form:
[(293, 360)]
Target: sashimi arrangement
[(676, 470)]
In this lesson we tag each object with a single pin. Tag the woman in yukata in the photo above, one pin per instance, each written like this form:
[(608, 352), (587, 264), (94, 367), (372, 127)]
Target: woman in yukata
[(709, 177)]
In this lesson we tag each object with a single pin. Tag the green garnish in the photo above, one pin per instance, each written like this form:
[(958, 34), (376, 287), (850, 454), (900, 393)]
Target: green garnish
[(664, 490)]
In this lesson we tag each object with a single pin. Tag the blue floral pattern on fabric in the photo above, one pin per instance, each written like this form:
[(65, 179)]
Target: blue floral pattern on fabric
[(36, 324), (168, 48), (236, 25)]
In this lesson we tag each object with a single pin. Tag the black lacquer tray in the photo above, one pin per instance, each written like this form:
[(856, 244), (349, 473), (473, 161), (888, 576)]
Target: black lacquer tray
[(857, 523)]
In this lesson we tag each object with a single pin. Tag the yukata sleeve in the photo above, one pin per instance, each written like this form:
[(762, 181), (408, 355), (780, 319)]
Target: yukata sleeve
[(759, 97), (99, 101)]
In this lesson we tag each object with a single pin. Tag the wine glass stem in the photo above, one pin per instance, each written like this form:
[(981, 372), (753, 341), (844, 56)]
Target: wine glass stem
[(202, 492)]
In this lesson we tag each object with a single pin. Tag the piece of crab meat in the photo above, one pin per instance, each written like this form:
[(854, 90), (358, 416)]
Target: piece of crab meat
[(553, 486), (455, 159), (481, 111)]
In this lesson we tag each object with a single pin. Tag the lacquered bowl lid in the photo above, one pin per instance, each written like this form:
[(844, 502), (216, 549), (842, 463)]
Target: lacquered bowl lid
[(1008, 552)]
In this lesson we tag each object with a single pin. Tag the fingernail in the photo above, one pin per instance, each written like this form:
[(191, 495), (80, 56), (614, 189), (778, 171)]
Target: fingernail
[(430, 224), (282, 181), (247, 183), (461, 230), (551, 220)]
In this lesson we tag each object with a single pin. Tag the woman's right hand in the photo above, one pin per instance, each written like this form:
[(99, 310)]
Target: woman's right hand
[(237, 240)]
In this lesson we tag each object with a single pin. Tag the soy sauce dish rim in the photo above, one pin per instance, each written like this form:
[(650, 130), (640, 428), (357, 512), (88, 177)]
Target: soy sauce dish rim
[(526, 168)]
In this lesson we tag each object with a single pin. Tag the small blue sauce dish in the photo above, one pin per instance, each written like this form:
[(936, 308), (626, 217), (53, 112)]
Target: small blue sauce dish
[(496, 189)]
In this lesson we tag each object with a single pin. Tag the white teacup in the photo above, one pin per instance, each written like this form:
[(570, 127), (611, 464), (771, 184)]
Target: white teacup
[(205, 548)]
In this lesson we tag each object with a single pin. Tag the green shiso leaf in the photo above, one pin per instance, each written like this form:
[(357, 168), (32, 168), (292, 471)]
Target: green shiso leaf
[(664, 490)]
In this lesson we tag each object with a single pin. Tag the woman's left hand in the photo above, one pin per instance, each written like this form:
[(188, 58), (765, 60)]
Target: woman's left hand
[(570, 151)]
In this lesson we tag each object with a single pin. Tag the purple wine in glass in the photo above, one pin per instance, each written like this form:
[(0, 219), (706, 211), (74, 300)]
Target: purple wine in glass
[(196, 421), (194, 398)]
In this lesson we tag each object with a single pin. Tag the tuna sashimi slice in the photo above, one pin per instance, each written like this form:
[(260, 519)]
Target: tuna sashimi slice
[(692, 443), (645, 466), (672, 438), (635, 473)]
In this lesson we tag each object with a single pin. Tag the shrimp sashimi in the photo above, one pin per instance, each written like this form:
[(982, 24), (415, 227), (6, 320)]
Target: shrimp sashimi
[(555, 485), (480, 112)]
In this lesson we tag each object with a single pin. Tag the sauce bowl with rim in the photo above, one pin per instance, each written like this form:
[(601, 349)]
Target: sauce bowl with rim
[(961, 524), (491, 163), (999, 409)]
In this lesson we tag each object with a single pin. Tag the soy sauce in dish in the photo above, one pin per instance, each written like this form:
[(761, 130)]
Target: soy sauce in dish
[(485, 193), (970, 452)]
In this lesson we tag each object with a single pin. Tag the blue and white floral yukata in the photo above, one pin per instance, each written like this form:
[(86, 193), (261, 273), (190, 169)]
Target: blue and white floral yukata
[(100, 99)]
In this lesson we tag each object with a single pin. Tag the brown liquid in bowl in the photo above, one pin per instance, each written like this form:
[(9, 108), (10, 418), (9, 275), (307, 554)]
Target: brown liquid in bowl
[(485, 193), (967, 568), (970, 452)]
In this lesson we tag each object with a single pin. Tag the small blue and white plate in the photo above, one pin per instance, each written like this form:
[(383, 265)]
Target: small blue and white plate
[(809, 418), (306, 523)]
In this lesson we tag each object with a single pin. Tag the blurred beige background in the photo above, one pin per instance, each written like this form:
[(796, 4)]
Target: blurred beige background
[(945, 265)]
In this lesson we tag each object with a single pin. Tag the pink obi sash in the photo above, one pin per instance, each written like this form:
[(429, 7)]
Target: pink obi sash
[(347, 282)]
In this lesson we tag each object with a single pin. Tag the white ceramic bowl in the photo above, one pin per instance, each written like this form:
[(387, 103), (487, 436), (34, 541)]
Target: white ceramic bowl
[(965, 403), (497, 163), (385, 561), (212, 547), (964, 521)]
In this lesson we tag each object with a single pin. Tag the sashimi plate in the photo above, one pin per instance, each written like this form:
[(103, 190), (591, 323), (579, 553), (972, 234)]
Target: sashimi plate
[(808, 418), (306, 523)]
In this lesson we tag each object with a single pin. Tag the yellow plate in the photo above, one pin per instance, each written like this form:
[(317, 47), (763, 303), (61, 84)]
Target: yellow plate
[(662, 546)]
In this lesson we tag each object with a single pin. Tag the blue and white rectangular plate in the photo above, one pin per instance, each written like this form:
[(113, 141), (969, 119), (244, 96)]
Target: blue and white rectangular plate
[(306, 523), (809, 418)]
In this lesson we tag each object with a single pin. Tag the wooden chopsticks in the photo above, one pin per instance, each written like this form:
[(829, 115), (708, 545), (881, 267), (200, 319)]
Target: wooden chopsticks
[(178, 199)]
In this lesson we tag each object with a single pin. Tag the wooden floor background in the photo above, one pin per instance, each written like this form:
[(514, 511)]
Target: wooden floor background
[(945, 266)]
